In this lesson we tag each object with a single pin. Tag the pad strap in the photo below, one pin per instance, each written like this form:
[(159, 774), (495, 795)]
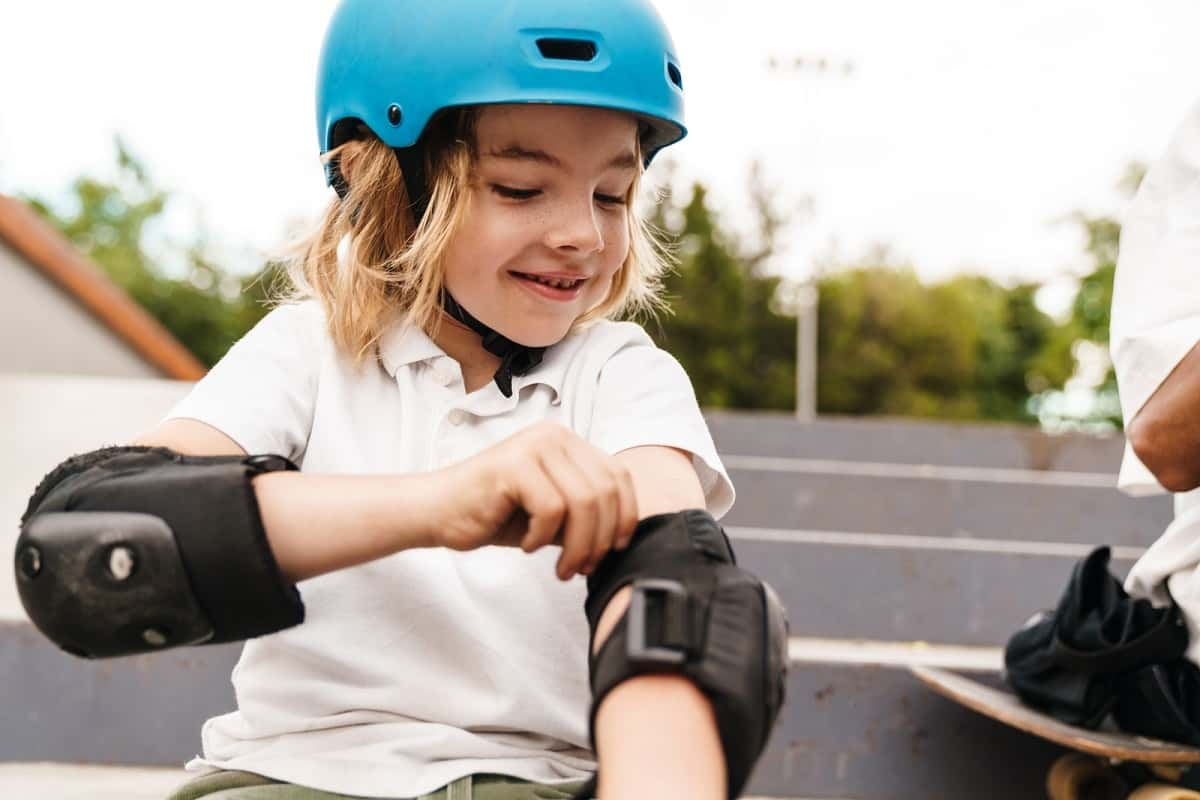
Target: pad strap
[(694, 613)]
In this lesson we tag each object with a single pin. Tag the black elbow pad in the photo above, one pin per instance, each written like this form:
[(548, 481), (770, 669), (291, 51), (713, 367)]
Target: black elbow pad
[(695, 613), (134, 549)]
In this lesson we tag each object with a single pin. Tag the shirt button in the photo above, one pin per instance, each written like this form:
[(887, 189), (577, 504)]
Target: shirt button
[(457, 417)]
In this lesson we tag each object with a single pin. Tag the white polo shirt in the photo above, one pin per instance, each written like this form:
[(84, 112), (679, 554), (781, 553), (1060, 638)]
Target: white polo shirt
[(1155, 323), (422, 667)]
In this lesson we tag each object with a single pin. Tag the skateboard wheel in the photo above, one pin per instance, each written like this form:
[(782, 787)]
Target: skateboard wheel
[(1160, 791), (1079, 777)]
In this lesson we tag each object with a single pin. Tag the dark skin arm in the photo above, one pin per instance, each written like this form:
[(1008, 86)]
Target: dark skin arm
[(1165, 434)]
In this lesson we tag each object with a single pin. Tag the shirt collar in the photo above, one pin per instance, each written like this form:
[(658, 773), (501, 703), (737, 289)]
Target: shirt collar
[(403, 344)]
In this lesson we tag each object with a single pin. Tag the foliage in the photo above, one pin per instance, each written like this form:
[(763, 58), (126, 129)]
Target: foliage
[(725, 326), (965, 348), (887, 344), (207, 309)]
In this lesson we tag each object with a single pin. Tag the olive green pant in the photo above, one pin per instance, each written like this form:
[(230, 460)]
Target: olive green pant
[(230, 785)]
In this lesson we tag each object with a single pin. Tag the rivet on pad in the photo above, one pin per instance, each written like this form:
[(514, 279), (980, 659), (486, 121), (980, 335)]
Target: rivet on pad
[(121, 562), (155, 637)]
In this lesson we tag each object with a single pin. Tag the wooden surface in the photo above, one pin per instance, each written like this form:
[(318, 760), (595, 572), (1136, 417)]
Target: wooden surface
[(1007, 708)]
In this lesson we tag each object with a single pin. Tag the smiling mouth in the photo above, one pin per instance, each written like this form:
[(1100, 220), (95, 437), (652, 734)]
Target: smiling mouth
[(556, 283)]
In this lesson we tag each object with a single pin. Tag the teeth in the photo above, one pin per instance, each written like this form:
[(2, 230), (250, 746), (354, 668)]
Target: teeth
[(557, 283)]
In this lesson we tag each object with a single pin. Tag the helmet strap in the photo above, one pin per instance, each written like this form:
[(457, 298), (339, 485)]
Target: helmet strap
[(515, 359), (412, 167)]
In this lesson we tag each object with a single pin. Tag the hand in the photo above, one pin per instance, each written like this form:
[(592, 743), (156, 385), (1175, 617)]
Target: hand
[(544, 485)]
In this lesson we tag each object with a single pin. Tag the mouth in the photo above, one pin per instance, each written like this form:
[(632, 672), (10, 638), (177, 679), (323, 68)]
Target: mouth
[(553, 287)]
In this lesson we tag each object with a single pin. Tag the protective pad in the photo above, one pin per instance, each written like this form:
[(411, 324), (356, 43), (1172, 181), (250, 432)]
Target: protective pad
[(131, 549), (1070, 663), (694, 612)]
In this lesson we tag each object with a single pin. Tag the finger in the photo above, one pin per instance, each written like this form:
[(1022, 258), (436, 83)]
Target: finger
[(544, 504), (602, 472), (582, 509), (513, 530)]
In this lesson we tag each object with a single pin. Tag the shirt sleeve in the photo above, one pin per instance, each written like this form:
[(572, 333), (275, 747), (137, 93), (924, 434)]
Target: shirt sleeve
[(644, 398), (1156, 308), (261, 393)]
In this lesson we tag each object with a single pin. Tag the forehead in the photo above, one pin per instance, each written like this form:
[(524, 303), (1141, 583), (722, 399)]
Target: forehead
[(570, 133)]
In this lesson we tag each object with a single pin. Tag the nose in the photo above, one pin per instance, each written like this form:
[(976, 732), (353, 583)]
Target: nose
[(574, 227)]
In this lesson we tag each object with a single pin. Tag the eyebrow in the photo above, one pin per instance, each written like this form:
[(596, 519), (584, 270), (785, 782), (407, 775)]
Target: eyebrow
[(514, 152)]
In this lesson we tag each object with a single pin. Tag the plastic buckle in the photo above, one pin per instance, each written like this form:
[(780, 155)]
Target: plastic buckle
[(675, 598)]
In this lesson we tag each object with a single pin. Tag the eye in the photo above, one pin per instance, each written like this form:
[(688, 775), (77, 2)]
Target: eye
[(610, 200), (514, 193)]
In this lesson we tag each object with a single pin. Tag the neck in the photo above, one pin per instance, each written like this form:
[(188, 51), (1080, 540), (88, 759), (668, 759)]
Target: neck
[(464, 346)]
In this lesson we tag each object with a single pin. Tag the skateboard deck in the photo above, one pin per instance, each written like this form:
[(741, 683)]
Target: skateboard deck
[(1007, 708)]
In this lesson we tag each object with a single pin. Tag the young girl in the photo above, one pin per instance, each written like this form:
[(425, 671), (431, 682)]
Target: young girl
[(448, 376)]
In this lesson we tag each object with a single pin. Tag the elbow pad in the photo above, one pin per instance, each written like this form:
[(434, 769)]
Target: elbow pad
[(134, 549), (695, 613)]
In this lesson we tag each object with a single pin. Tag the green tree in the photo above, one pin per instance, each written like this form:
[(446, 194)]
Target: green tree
[(207, 309), (966, 348), (726, 324)]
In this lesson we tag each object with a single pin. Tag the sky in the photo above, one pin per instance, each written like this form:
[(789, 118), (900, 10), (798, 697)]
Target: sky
[(961, 134)]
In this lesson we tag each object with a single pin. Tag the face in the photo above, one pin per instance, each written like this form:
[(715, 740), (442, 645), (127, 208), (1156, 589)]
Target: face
[(547, 223)]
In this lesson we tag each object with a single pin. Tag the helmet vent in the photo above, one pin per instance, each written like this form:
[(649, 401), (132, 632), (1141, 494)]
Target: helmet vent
[(567, 49), (675, 75)]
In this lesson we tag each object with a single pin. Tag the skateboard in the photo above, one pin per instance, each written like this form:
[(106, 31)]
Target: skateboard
[(1103, 765)]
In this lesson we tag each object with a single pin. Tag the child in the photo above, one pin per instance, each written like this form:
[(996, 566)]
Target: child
[(447, 373)]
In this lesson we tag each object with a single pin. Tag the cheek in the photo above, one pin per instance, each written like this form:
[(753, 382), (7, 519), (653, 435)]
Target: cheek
[(478, 245), (616, 238)]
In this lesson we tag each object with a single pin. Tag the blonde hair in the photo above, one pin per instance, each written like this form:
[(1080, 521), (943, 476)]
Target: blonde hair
[(392, 272)]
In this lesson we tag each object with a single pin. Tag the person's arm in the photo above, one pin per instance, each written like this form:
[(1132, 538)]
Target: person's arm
[(656, 735), (539, 487), (1165, 433), (320, 523)]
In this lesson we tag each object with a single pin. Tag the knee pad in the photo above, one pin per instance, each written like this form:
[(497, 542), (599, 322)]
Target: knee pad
[(134, 549), (695, 613)]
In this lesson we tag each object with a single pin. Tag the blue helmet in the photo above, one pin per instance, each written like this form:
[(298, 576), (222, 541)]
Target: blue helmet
[(392, 65)]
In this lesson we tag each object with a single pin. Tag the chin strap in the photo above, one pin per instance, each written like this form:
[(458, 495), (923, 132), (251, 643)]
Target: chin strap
[(515, 359)]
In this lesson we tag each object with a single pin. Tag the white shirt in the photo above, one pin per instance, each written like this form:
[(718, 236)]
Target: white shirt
[(422, 667), (1155, 323)]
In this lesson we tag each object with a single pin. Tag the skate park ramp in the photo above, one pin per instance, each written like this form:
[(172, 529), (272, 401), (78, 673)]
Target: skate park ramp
[(891, 543)]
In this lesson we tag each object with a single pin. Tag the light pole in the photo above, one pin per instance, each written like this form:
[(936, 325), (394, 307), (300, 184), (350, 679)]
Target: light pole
[(806, 294), (807, 298)]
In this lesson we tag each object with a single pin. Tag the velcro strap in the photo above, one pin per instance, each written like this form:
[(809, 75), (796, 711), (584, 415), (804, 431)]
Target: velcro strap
[(683, 542), (1160, 643), (660, 632), (209, 505)]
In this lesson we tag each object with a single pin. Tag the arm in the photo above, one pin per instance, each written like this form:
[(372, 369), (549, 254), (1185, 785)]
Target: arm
[(1165, 434), (656, 734), (373, 515), (518, 493)]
